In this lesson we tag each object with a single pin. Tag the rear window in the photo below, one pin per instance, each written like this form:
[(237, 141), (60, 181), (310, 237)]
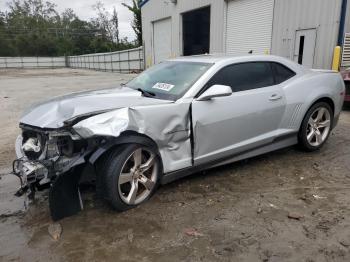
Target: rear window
[(282, 73)]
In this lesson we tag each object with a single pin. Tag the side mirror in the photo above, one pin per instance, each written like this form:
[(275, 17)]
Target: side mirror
[(215, 91)]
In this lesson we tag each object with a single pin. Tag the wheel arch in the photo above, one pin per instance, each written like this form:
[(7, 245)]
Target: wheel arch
[(325, 99), (126, 137)]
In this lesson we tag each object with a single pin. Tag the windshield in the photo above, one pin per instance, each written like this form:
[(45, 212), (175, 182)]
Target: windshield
[(169, 80)]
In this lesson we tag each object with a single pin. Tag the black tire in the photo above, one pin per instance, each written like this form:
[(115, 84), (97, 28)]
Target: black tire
[(302, 135), (111, 168)]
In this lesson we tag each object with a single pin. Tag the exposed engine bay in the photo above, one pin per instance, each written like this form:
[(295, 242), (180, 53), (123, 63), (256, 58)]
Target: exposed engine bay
[(43, 156)]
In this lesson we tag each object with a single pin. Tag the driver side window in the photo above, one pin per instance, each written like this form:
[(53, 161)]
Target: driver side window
[(245, 76)]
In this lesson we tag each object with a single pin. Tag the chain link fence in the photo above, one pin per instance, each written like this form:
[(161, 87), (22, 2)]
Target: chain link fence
[(126, 61)]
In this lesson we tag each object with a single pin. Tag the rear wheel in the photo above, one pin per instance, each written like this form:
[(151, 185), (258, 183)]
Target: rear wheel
[(131, 176), (316, 127)]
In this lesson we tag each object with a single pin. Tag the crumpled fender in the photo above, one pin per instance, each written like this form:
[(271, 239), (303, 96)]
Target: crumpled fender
[(168, 125)]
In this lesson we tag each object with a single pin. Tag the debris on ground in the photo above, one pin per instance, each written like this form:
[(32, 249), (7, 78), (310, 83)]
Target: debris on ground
[(130, 235), (296, 216), (318, 197), (273, 206), (192, 232), (55, 231), (303, 197), (345, 243), (316, 166), (259, 210)]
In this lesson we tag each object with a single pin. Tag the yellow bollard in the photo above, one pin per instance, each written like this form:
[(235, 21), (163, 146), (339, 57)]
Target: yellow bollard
[(336, 58), (149, 61)]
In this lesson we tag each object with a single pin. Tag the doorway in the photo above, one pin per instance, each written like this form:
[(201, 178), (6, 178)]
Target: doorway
[(304, 48), (196, 31)]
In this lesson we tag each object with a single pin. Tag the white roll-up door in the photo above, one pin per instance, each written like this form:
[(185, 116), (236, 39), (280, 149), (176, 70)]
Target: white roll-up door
[(249, 26), (162, 40)]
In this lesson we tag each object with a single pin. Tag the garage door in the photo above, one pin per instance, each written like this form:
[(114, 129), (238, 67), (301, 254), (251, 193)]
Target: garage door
[(249, 26), (161, 40)]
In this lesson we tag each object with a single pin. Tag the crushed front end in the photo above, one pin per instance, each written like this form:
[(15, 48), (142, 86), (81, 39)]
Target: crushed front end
[(49, 159)]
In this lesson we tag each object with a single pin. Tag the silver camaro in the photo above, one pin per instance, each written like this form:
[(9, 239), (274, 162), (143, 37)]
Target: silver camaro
[(176, 118)]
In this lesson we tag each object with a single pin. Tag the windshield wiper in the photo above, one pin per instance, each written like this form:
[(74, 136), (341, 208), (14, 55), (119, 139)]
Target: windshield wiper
[(146, 93)]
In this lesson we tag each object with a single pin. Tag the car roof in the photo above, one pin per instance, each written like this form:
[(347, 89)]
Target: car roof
[(224, 58)]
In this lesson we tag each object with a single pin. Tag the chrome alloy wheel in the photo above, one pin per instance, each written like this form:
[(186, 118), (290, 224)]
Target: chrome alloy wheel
[(319, 126), (138, 176)]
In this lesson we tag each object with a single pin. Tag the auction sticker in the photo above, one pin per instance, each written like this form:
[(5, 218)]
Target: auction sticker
[(163, 86)]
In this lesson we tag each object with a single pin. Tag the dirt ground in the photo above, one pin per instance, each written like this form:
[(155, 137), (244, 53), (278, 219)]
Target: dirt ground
[(283, 206)]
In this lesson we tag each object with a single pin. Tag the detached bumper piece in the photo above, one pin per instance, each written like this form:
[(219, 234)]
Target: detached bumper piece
[(64, 197)]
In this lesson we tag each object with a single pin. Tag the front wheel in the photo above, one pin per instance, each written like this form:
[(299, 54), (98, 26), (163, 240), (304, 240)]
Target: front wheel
[(131, 176), (316, 127)]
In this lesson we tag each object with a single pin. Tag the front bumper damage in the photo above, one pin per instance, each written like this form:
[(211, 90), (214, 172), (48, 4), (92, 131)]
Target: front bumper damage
[(42, 161), (50, 168)]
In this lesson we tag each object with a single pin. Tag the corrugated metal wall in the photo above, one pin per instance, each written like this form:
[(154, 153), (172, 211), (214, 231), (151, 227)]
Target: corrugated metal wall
[(292, 15), (155, 10), (32, 62), (288, 17), (125, 61)]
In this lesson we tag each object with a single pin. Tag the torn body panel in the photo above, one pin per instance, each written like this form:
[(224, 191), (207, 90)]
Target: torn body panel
[(168, 125), (62, 111), (59, 138)]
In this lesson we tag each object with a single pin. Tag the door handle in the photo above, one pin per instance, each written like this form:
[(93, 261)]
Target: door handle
[(275, 97)]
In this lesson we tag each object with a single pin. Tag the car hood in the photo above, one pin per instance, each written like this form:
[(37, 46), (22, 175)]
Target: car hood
[(60, 111)]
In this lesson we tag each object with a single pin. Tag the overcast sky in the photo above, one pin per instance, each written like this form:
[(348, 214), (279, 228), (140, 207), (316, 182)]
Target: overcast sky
[(83, 8)]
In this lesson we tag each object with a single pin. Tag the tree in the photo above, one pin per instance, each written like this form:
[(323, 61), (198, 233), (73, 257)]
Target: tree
[(103, 20), (34, 27), (115, 24), (137, 22)]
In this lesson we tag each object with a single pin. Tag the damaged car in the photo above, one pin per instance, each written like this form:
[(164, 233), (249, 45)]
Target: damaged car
[(178, 117)]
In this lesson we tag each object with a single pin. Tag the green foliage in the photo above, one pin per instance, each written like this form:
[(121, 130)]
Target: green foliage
[(137, 23), (35, 28)]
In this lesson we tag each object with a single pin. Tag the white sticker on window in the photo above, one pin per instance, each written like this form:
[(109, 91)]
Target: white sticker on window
[(163, 86)]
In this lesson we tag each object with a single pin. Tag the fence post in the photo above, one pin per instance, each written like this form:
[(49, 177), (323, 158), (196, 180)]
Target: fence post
[(5, 62), (98, 62), (140, 51), (66, 62), (129, 61), (120, 64), (111, 61), (104, 62), (144, 55)]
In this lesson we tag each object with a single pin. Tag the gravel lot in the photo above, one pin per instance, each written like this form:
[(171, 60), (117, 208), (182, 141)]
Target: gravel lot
[(283, 206)]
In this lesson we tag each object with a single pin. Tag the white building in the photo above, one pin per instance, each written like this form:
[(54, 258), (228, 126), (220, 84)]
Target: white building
[(305, 31)]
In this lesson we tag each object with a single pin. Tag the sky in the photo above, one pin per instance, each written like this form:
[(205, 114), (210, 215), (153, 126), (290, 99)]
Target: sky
[(84, 10)]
